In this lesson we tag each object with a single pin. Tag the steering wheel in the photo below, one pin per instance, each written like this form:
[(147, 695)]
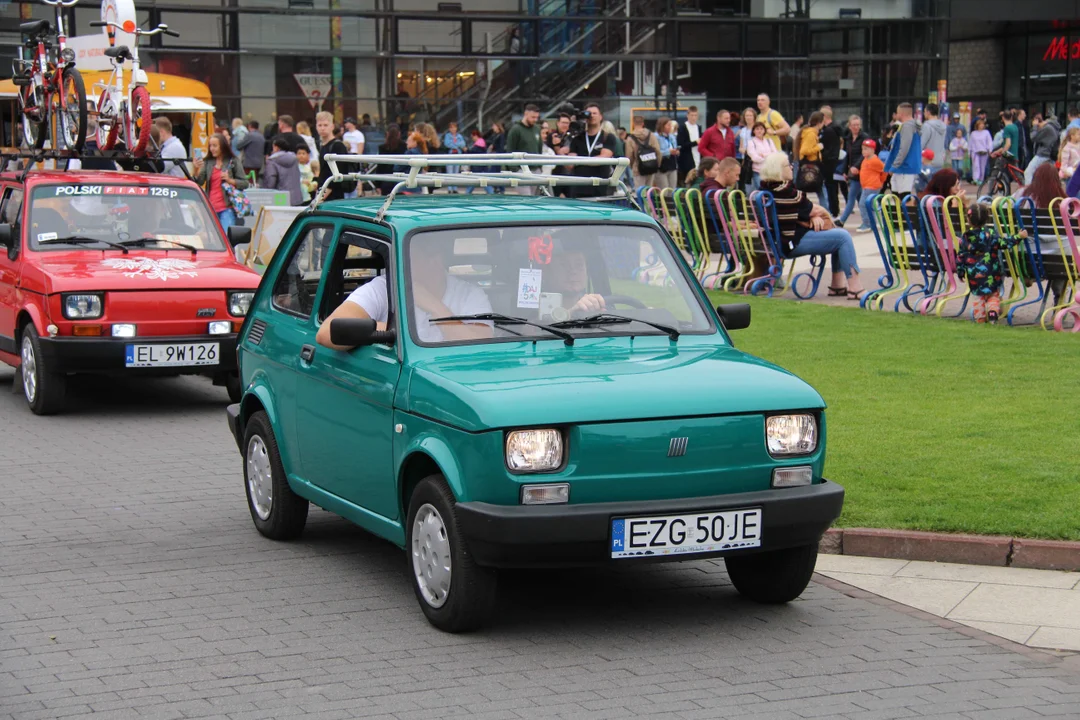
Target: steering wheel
[(611, 300)]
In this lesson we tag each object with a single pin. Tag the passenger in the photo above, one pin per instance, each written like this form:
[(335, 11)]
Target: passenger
[(435, 294)]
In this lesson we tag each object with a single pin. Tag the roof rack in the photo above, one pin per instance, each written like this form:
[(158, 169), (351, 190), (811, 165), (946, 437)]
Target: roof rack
[(522, 177), (122, 157)]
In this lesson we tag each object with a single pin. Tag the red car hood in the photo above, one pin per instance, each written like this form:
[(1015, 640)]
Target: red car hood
[(143, 270)]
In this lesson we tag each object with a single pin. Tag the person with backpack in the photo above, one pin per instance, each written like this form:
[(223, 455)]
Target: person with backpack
[(643, 150), (330, 144)]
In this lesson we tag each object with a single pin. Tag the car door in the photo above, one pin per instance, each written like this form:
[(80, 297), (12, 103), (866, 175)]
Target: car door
[(289, 328), (10, 206), (345, 399)]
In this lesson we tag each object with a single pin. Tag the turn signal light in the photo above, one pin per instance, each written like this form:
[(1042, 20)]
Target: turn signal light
[(86, 330)]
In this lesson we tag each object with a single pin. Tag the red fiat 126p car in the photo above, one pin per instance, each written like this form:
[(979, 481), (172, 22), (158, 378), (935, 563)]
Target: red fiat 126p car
[(116, 273)]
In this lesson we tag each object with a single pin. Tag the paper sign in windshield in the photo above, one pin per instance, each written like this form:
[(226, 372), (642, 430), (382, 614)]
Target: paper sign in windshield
[(529, 288)]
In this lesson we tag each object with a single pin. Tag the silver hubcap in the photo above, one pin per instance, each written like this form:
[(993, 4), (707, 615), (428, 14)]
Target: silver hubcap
[(29, 369), (431, 556), (260, 480)]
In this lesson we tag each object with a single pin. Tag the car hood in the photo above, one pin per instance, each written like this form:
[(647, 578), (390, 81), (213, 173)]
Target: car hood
[(138, 270), (600, 383)]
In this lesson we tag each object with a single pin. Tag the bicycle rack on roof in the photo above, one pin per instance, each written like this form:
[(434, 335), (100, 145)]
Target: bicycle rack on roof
[(416, 178), (121, 157)]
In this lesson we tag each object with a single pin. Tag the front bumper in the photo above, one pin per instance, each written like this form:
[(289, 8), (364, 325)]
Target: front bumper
[(107, 354), (232, 414), (568, 535)]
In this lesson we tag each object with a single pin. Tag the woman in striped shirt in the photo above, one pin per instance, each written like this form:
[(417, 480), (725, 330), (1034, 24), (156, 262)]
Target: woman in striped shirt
[(802, 228)]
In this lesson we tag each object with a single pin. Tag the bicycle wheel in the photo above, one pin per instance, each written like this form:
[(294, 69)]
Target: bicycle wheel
[(108, 123), (33, 130), (994, 186), (140, 121), (69, 102)]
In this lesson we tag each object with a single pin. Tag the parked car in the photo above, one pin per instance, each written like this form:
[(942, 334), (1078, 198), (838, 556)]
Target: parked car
[(116, 273), (501, 382)]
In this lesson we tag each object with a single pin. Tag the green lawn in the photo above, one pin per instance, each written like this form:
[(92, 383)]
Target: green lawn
[(937, 424)]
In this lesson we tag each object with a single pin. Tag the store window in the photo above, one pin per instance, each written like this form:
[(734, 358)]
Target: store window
[(1048, 62), (1015, 66)]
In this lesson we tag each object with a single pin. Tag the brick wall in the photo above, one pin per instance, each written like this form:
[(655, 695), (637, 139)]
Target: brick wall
[(975, 69)]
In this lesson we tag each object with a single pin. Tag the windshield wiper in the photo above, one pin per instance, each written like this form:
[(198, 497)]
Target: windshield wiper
[(143, 241), (498, 319), (81, 240), (609, 318)]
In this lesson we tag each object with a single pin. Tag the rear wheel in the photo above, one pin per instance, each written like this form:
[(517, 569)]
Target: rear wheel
[(44, 390), (34, 129), (994, 186), (454, 592), (71, 127), (108, 121), (140, 121), (278, 512), (776, 576)]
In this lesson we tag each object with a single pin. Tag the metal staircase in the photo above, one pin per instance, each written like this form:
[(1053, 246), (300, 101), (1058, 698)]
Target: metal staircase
[(552, 82)]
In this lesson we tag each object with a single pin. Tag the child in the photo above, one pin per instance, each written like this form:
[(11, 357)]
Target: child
[(1069, 155), (958, 148), (927, 172), (871, 177), (978, 261), (307, 174), (980, 145)]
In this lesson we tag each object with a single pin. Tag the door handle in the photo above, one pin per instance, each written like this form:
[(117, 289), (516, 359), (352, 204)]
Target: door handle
[(307, 353)]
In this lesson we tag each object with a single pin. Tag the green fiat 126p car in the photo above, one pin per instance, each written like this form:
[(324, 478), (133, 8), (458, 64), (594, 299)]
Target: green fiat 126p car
[(503, 381)]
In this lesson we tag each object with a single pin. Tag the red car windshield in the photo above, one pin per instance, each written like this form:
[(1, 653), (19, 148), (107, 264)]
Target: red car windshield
[(146, 216)]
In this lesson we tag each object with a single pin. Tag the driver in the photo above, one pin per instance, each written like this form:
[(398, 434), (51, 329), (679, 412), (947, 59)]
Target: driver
[(435, 294), (568, 274)]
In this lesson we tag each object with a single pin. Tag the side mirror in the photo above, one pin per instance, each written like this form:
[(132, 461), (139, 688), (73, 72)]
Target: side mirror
[(238, 235), (735, 316), (355, 332), (7, 236)]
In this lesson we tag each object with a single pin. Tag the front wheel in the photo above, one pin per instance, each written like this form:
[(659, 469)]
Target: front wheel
[(776, 576), (994, 186), (139, 133), (34, 129), (278, 512), (108, 129), (454, 592), (70, 104), (44, 390)]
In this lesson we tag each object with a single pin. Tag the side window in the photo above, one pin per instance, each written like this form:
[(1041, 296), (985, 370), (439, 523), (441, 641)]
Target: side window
[(296, 286), (10, 206), (358, 259)]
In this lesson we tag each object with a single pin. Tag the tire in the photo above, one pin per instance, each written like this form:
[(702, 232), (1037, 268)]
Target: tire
[(279, 514), (773, 577), (462, 597), (994, 187), (34, 133), (44, 390), (72, 120), (140, 121), (233, 386), (108, 121)]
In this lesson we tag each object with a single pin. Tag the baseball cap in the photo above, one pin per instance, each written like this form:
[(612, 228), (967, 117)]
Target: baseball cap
[(350, 120), (928, 154), (872, 144)]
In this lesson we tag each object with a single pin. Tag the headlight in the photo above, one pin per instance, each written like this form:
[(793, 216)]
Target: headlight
[(68, 54), (124, 330), (530, 451), (240, 303), (82, 307), (220, 327), (791, 434)]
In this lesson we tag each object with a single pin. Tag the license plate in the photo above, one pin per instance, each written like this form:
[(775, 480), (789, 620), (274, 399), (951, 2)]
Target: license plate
[(691, 534), (172, 355)]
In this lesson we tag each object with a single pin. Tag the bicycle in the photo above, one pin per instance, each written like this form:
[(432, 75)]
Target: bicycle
[(52, 96), (115, 111), (998, 182)]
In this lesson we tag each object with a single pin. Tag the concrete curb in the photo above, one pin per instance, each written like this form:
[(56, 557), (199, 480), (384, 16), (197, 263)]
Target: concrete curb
[(996, 550)]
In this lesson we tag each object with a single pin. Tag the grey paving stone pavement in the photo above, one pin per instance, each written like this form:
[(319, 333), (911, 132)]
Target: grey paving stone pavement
[(133, 585)]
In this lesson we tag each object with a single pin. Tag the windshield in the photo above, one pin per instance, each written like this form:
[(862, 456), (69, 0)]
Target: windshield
[(585, 280), (152, 217)]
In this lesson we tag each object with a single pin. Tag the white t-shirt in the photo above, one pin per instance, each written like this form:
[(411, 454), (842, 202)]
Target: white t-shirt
[(355, 140), (461, 297)]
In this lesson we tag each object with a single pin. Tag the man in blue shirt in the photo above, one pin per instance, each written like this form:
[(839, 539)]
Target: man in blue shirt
[(1074, 119)]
